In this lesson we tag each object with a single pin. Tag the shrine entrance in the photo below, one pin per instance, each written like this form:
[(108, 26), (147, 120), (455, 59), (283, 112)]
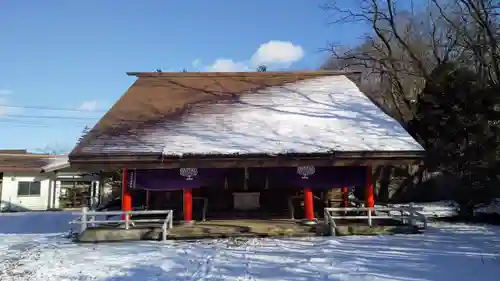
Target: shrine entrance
[(246, 193)]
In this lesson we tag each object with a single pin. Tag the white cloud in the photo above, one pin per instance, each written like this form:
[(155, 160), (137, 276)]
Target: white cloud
[(277, 53), (3, 110), (8, 108), (228, 65), (5, 92), (196, 63), (89, 106), (5, 101), (273, 54)]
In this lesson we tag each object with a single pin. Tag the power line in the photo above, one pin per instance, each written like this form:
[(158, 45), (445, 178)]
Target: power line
[(36, 122), (22, 124), (49, 117), (50, 108), (33, 124)]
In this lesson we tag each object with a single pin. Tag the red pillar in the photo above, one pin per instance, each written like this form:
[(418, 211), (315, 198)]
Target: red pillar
[(370, 198), (188, 205), (345, 196), (126, 196), (308, 204)]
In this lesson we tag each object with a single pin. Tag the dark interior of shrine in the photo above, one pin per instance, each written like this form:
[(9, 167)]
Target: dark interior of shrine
[(270, 198)]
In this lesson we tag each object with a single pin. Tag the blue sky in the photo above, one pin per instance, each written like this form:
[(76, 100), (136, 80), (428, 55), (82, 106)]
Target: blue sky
[(74, 54)]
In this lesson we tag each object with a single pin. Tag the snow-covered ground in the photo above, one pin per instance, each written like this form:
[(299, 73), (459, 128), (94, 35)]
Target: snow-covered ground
[(445, 252), (444, 209), (493, 207), (440, 209)]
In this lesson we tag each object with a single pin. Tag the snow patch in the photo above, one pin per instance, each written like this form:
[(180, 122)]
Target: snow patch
[(488, 209), (438, 209)]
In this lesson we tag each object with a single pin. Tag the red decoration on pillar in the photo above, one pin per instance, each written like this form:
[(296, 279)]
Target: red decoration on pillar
[(345, 196), (308, 204), (188, 205), (370, 198), (126, 196)]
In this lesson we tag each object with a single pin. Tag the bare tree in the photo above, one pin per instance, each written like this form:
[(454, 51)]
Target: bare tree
[(475, 22), (405, 44)]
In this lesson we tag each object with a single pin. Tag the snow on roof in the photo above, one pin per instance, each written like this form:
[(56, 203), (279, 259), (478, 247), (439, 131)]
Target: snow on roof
[(313, 115), (57, 163)]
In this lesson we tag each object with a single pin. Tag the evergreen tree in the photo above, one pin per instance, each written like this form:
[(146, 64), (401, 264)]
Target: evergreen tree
[(262, 68), (456, 121), (85, 131)]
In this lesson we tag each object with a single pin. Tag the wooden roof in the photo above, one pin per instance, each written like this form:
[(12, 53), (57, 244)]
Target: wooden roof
[(24, 162), (176, 111), (171, 95), (13, 151)]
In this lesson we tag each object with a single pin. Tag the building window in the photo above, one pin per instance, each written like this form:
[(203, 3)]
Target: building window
[(28, 188)]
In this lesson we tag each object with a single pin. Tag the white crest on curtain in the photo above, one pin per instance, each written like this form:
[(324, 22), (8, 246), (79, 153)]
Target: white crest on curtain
[(189, 173), (306, 171)]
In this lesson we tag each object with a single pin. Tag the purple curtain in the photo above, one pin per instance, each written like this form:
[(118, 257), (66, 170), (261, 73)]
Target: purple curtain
[(322, 177), (319, 178), (171, 179)]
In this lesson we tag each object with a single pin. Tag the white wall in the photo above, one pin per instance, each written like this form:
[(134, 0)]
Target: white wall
[(10, 197), (50, 191)]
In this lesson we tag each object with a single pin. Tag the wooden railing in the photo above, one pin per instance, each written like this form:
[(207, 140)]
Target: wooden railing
[(407, 215), (86, 217)]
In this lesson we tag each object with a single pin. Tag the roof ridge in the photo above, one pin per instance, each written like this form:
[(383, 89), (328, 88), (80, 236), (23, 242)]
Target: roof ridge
[(314, 73), (28, 155)]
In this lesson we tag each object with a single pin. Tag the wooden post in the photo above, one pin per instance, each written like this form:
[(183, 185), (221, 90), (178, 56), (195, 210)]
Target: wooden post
[(147, 199), (188, 205), (370, 199), (54, 193), (345, 196), (126, 196), (83, 225), (308, 204), (49, 205), (127, 222), (291, 208), (164, 232), (205, 208), (370, 218), (412, 214), (171, 219)]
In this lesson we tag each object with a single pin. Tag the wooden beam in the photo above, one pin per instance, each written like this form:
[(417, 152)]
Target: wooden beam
[(157, 161), (233, 163), (126, 157)]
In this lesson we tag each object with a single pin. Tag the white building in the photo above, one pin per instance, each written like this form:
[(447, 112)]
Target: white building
[(36, 182)]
